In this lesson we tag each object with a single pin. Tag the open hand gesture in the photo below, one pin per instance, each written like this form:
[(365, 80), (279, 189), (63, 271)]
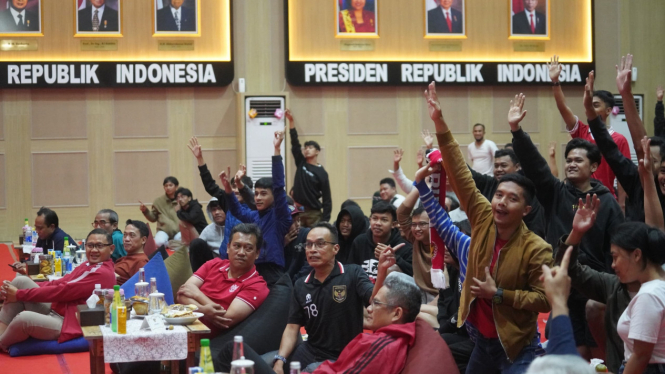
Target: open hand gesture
[(195, 147), (588, 96), (242, 171), (397, 155), (420, 157), (586, 214), (646, 162), (516, 113), (624, 73), (486, 289), (427, 138), (433, 105), (554, 68), (279, 137), (659, 93), (288, 115), (224, 177)]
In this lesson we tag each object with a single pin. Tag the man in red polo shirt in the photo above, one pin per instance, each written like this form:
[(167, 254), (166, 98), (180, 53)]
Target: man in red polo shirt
[(228, 291)]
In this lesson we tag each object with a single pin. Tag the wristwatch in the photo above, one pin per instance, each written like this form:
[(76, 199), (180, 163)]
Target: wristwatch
[(498, 296), (280, 358)]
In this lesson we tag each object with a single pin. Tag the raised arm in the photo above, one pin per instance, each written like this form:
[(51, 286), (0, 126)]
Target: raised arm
[(653, 211), (240, 212), (296, 148), (208, 181), (404, 183), (280, 205), (472, 201), (404, 214), (551, 161), (567, 114), (246, 192), (659, 119), (533, 164), (637, 130)]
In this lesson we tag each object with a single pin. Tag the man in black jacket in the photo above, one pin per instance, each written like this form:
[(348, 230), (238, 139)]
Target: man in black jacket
[(560, 199), (383, 232), (191, 211), (311, 186), (506, 162), (98, 17)]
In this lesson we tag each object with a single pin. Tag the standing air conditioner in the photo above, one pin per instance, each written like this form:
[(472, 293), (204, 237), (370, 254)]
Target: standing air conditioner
[(620, 125), (259, 134)]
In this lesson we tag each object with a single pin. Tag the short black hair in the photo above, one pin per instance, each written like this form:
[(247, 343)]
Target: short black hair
[(479, 124), (418, 211), (592, 151), (455, 203), (657, 141), (313, 144), (248, 229), (265, 182), (247, 181), (171, 179), (349, 202), (388, 181), (632, 235), (507, 152), (140, 225), (384, 207), (109, 237), (113, 216), (333, 231), (50, 217), (183, 191), (528, 188), (606, 97)]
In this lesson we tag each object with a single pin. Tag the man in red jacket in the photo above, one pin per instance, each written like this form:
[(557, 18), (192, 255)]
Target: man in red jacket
[(48, 311)]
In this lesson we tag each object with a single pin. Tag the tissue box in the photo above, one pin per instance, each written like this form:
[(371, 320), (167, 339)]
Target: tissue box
[(33, 269), (90, 317)]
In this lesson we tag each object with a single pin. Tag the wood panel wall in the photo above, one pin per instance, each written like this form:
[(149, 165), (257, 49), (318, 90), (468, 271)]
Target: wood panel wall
[(357, 127)]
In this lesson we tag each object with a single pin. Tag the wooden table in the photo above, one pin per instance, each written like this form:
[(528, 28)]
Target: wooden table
[(94, 336)]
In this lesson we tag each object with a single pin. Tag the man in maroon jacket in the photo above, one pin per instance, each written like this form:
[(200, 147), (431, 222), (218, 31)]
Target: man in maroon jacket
[(48, 311)]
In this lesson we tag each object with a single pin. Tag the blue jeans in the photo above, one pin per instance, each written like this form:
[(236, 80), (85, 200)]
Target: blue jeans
[(488, 357), (651, 368)]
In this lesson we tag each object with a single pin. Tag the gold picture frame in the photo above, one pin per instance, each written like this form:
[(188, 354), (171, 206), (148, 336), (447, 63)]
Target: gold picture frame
[(174, 33), (110, 25), (8, 22), (516, 20), (457, 19), (344, 16)]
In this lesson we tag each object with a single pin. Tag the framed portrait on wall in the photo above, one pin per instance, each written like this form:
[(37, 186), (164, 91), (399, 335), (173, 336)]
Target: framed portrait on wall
[(98, 18), (444, 19), (529, 19), (21, 17), (176, 17), (357, 18)]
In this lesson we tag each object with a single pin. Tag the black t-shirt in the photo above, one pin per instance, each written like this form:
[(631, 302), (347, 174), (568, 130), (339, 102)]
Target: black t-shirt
[(332, 311)]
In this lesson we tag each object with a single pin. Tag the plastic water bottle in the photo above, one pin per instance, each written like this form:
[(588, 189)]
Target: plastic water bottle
[(238, 350), (27, 239), (27, 230), (205, 362), (294, 368), (34, 237)]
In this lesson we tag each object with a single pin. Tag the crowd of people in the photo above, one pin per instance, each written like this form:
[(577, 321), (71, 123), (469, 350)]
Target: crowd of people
[(517, 242)]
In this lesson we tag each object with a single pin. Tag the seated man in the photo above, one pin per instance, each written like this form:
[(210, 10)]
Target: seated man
[(206, 246), (388, 192), (47, 310), (50, 234), (163, 211), (107, 219), (136, 234), (228, 291), (382, 233), (272, 215), (190, 213)]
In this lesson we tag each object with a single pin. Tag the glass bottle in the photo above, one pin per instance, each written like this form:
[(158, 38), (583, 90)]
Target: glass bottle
[(205, 362), (238, 350)]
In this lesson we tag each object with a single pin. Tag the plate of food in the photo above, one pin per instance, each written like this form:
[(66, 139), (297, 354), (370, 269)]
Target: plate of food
[(139, 306), (178, 314)]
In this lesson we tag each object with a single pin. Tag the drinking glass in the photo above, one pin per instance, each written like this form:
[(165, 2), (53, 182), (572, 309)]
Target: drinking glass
[(156, 302), (242, 367)]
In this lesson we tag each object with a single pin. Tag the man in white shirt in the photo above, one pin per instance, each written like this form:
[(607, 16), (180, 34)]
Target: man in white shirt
[(481, 152), (206, 246), (176, 18), (17, 18), (529, 21)]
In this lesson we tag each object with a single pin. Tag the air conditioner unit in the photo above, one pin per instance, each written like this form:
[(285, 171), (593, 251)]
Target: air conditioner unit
[(260, 132), (620, 125)]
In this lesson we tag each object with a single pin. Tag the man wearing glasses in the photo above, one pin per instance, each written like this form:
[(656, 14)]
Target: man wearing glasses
[(228, 291), (107, 220), (329, 302), (136, 234)]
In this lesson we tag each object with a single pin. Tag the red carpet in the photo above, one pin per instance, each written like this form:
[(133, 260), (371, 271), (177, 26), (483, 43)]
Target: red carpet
[(6, 258)]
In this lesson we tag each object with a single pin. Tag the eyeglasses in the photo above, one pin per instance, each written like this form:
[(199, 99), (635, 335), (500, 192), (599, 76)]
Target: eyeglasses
[(375, 302), (98, 246), (422, 225), (100, 223), (319, 244)]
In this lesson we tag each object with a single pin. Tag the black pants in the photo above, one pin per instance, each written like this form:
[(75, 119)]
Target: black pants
[(270, 272), (200, 253), (461, 347), (303, 354)]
